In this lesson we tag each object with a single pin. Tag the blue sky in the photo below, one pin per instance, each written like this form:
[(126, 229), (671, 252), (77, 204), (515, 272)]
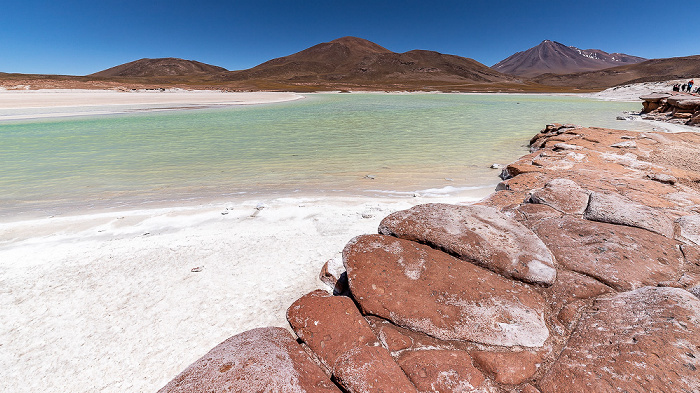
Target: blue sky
[(79, 37)]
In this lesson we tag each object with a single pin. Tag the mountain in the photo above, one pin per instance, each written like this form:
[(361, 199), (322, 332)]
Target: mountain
[(161, 67), (358, 62), (648, 71), (553, 57)]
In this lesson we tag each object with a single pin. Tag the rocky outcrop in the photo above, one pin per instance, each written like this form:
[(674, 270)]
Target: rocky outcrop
[(581, 272), (259, 360), (681, 108)]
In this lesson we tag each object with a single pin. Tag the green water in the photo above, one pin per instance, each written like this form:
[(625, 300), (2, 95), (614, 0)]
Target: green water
[(323, 144)]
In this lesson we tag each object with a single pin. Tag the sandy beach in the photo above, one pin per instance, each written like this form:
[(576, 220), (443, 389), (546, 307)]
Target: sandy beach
[(122, 301), (32, 104), (110, 302)]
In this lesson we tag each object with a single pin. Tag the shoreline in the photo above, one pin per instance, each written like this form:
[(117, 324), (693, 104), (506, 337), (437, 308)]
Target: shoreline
[(146, 292), (48, 103)]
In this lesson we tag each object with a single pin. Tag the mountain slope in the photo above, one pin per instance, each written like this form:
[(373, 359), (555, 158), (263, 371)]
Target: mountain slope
[(648, 71), (553, 57), (358, 61), (160, 67)]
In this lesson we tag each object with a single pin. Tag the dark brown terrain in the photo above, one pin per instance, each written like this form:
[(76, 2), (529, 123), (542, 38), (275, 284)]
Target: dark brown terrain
[(648, 71), (168, 66), (553, 57), (351, 62)]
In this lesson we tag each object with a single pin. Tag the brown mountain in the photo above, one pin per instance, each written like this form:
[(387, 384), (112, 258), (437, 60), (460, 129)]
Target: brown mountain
[(553, 57), (648, 71), (162, 67), (351, 61)]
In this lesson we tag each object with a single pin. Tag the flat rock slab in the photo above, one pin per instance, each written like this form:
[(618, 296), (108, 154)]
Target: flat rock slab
[(426, 290), (371, 370), (622, 257), (259, 360), (616, 209), (689, 228), (478, 234), (336, 332), (647, 340), (563, 195), (510, 368), (442, 371), (329, 325)]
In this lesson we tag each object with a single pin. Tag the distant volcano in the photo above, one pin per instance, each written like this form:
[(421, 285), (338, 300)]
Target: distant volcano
[(168, 66), (553, 57)]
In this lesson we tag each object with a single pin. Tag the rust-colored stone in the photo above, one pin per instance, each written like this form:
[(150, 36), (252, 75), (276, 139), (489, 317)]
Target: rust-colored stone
[(646, 340), (619, 256), (426, 290), (259, 360), (478, 234), (329, 325), (510, 368), (442, 371)]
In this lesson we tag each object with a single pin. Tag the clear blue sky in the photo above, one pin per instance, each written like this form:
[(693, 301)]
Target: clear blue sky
[(79, 37)]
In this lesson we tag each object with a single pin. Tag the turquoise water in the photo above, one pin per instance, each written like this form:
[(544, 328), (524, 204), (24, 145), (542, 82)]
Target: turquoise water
[(324, 144)]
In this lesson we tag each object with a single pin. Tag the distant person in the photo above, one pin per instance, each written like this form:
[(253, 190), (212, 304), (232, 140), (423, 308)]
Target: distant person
[(676, 87), (683, 87), (690, 85)]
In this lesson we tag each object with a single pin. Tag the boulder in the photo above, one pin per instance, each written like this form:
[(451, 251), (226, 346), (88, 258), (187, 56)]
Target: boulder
[(442, 371), (621, 257), (329, 325), (655, 97), (478, 234), (646, 340), (563, 195), (428, 291), (371, 370), (510, 368), (343, 340), (615, 209), (689, 228), (259, 360)]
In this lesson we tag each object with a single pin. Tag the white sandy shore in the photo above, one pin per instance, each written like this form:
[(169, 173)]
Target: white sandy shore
[(32, 104), (109, 303)]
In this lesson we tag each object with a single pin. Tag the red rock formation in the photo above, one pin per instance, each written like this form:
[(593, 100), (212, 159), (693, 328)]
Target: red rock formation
[(259, 360), (615, 222)]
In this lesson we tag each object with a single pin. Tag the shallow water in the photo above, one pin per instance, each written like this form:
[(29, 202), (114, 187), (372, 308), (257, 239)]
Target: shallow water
[(347, 144)]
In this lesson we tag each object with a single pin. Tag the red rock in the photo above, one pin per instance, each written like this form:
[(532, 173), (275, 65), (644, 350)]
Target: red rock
[(426, 290), (571, 286), (510, 368), (527, 388), (478, 234), (615, 209), (689, 228), (259, 360), (343, 340), (442, 371), (329, 325), (371, 370), (619, 256), (563, 195), (646, 340), (397, 339)]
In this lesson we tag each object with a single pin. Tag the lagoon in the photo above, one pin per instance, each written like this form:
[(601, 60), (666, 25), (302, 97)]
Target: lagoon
[(326, 144)]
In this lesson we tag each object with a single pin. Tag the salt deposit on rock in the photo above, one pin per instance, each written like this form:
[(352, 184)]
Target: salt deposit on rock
[(478, 234), (450, 300)]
